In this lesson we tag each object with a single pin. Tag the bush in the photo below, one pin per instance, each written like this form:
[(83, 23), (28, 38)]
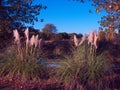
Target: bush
[(20, 62), (84, 69)]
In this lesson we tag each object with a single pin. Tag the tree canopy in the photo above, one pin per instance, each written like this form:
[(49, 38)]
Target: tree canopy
[(49, 28), (112, 8), (16, 13)]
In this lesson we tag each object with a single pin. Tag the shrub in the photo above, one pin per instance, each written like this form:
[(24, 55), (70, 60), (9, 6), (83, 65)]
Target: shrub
[(85, 69), (20, 62)]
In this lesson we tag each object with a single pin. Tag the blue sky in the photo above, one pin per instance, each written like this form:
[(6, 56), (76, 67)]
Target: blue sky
[(69, 16)]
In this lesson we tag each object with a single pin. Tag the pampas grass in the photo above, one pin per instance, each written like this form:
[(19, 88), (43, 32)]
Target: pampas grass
[(27, 36), (36, 41), (84, 69), (32, 40), (95, 41), (92, 38), (76, 41), (16, 36), (22, 60)]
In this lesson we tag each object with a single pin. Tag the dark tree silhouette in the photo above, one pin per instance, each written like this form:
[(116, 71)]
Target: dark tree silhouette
[(16, 13), (49, 28)]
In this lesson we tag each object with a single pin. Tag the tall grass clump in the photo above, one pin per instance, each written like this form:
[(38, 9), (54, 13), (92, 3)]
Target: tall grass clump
[(21, 62), (85, 70)]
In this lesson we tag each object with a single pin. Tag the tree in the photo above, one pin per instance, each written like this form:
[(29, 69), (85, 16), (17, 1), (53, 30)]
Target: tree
[(49, 28), (16, 13), (112, 8)]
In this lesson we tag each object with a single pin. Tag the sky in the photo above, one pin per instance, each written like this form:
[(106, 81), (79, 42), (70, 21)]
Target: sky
[(69, 16)]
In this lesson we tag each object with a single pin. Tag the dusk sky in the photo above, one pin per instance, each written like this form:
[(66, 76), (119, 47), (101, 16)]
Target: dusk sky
[(69, 16)]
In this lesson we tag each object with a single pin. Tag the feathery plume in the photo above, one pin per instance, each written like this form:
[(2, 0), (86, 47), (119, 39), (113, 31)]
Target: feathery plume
[(32, 40), (76, 41), (91, 37), (95, 40), (27, 33), (27, 36), (36, 40), (16, 35)]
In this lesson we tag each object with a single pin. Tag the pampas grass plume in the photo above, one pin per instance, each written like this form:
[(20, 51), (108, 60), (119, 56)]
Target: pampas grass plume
[(16, 35), (76, 40), (36, 41), (27, 33), (95, 40), (91, 37), (32, 40), (27, 36)]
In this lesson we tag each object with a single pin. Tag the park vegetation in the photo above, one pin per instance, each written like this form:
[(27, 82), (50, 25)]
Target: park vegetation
[(32, 59)]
